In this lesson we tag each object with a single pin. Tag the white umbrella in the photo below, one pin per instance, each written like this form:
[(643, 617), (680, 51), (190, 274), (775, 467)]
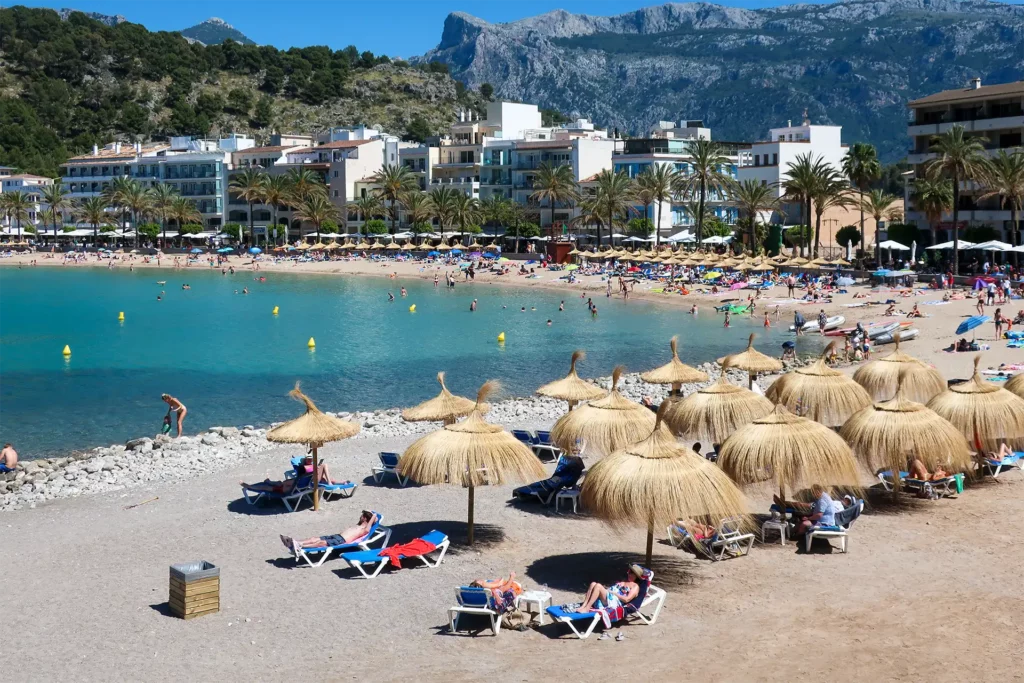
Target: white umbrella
[(849, 250), (1020, 248), (913, 250), (963, 244), (889, 244), (993, 245)]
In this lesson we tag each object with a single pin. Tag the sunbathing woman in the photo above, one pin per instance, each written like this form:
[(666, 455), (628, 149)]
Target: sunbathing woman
[(353, 533), (917, 470), (621, 593), (698, 531)]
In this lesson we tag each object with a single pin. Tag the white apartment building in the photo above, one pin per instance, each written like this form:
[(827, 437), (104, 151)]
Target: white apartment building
[(994, 114), (197, 169), (769, 161), (31, 185), (670, 146)]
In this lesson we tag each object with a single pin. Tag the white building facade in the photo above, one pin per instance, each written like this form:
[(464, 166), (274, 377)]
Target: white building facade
[(31, 185)]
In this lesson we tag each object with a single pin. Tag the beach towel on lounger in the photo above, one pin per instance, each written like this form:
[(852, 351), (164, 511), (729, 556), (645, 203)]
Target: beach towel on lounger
[(413, 548)]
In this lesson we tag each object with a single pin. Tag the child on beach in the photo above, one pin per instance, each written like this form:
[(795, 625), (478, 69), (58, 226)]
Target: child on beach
[(767, 320), (728, 318)]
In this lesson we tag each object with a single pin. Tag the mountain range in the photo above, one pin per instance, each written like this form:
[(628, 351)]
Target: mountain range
[(854, 63), (213, 31)]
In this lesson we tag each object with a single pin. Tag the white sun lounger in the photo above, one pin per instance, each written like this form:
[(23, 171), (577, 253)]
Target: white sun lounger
[(370, 563), (729, 541)]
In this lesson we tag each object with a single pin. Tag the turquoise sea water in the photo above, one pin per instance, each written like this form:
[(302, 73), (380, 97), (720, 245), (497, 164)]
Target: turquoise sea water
[(232, 362)]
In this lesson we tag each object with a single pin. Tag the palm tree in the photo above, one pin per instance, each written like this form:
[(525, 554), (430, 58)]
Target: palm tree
[(802, 178), (832, 191), (93, 210), (161, 199), (514, 216), (17, 205), (367, 207), (590, 214), (707, 160), (393, 182), (316, 209), (417, 209), (614, 198), (658, 179), (442, 204), (751, 199), (465, 211), (183, 210), (1004, 178), (643, 194), (304, 183), (136, 199), (554, 184), (877, 204), (114, 195), (932, 197), (694, 209), (249, 186), (861, 166), (275, 193), (959, 158), (56, 196)]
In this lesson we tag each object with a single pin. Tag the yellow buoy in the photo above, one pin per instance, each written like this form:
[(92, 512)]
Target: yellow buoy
[(412, 309), (120, 316), (275, 310), (311, 343), (501, 337), (67, 350)]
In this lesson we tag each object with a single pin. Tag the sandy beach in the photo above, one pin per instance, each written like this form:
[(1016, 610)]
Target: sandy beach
[(927, 591)]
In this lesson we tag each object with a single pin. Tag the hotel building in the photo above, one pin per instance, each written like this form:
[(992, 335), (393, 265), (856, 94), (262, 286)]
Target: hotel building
[(31, 185)]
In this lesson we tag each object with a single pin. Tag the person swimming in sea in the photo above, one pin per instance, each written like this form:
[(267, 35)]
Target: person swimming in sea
[(549, 322), (245, 290), (561, 306), (403, 291), (391, 297), (472, 306), (728, 318)]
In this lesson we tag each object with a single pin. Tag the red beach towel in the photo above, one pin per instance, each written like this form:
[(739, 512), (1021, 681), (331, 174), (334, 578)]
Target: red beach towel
[(411, 549)]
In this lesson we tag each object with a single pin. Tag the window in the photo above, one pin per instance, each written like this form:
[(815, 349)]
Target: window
[(775, 159), (764, 183), (335, 175), (335, 192), (757, 160)]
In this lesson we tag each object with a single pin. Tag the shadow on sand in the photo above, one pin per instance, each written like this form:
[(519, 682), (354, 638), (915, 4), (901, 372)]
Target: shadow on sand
[(574, 572)]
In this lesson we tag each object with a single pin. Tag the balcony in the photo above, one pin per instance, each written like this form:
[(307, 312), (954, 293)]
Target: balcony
[(981, 125), (435, 182)]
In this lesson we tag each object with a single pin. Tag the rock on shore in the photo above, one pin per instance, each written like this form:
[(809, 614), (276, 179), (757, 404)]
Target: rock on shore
[(146, 459)]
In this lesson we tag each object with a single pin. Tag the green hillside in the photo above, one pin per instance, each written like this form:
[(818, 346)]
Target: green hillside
[(67, 85)]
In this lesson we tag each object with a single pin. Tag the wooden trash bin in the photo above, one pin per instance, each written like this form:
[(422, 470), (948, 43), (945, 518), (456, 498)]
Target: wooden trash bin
[(194, 589)]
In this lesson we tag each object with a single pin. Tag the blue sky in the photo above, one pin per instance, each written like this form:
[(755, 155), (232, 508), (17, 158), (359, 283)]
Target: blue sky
[(392, 27)]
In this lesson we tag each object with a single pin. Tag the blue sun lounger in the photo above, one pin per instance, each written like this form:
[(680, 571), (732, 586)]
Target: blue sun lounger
[(525, 437), (947, 486), (474, 600), (994, 467), (337, 544), (388, 465), (303, 488), (373, 560), (544, 445), (648, 594), (343, 489), (567, 472)]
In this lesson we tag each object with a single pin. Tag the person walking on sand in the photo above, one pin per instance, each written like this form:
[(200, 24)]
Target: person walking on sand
[(998, 320), (8, 458), (174, 405)]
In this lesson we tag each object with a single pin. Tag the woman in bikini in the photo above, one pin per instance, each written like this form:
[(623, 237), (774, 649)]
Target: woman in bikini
[(621, 593), (174, 405)]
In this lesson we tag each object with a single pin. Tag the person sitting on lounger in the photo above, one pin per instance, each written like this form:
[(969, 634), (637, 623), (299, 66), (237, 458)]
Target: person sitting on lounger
[(616, 595), (353, 533), (505, 591), (822, 512), (917, 470), (698, 531)]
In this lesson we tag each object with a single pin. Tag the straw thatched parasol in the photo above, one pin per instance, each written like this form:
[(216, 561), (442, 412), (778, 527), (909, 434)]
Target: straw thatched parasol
[(751, 360), (884, 435), (789, 450), (606, 424), (315, 429), (675, 372), (571, 388), (986, 413), (445, 407), (657, 482), (1015, 385), (921, 382), (716, 411), (471, 453), (393, 246), (442, 247), (819, 392)]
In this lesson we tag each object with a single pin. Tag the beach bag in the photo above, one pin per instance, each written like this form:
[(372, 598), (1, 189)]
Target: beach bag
[(515, 619)]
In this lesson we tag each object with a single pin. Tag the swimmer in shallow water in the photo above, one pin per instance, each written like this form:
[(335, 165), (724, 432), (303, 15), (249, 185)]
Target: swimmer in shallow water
[(391, 297)]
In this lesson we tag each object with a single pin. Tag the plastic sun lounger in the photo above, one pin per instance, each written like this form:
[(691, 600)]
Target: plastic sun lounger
[(840, 530), (587, 621), (546, 489), (303, 488), (474, 600), (543, 445), (947, 486), (994, 467), (728, 542), (375, 533), (373, 559), (388, 465), (526, 437), (344, 489)]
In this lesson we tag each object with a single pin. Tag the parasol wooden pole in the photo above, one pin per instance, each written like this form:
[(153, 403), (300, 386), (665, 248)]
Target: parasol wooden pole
[(650, 542), (676, 388), (572, 404), (750, 381), (316, 481), (470, 514)]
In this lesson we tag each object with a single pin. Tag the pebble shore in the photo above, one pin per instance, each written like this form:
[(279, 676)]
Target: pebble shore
[(147, 459)]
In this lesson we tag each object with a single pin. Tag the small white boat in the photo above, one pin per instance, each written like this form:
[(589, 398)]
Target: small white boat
[(890, 337), (875, 333), (830, 324)]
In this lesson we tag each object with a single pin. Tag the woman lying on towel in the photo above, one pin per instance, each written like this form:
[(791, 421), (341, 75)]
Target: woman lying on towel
[(349, 535), (616, 595)]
